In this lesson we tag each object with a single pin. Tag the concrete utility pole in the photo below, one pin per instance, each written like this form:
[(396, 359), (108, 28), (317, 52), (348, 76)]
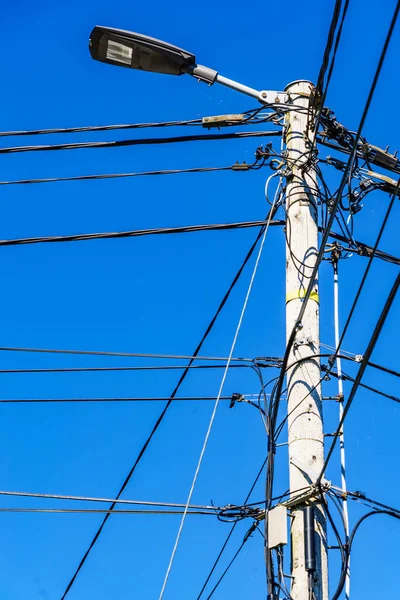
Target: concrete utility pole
[(305, 423)]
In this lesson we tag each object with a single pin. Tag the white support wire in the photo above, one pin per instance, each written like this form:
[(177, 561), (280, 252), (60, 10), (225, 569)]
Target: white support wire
[(341, 409), (178, 536), (341, 352)]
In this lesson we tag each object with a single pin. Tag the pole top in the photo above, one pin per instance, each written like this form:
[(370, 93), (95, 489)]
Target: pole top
[(299, 82)]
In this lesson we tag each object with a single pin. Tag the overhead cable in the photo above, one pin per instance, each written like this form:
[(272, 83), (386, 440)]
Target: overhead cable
[(213, 414), (238, 167), (164, 411), (137, 233), (121, 369), (91, 128), (108, 500), (122, 354), (141, 141), (364, 363), (362, 249)]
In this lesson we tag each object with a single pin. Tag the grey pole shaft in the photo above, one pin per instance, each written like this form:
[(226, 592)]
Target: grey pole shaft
[(305, 423)]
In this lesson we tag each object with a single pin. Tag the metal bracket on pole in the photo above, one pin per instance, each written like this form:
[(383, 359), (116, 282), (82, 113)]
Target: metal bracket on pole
[(210, 76)]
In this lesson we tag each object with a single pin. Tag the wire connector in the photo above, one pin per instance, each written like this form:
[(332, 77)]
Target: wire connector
[(223, 121)]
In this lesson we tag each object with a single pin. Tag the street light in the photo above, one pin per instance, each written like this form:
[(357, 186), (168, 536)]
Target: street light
[(137, 51)]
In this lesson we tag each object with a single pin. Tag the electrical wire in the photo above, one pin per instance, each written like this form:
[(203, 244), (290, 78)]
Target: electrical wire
[(396, 515), (112, 399), (108, 500), (104, 511), (91, 128), (123, 354), (363, 385), (364, 363), (121, 369), (99, 176), (228, 537), (165, 409), (333, 209), (137, 233), (237, 167), (246, 537), (212, 418), (345, 510), (141, 141)]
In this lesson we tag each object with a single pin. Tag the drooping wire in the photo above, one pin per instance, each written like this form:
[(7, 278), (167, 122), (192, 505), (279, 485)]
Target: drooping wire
[(334, 206), (165, 409), (228, 537), (212, 418), (364, 363)]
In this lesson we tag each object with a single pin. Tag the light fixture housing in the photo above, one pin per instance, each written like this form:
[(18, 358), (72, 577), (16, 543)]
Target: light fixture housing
[(137, 51)]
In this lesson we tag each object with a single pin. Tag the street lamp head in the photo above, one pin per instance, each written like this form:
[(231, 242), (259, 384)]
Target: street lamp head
[(137, 51)]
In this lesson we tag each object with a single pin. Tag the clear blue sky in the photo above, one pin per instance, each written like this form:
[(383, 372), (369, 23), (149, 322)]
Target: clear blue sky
[(157, 294)]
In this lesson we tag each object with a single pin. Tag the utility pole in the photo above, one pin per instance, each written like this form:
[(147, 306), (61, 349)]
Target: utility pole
[(305, 422)]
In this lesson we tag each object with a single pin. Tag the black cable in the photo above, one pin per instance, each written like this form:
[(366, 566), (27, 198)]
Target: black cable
[(228, 537), (333, 209), (196, 122), (122, 175), (246, 537), (117, 399), (122, 354), (384, 369), (108, 500), (329, 46), (351, 541), (365, 274), (100, 128), (164, 411), (107, 369), (364, 363), (137, 233), (360, 153), (237, 167), (142, 141), (360, 497), (106, 511), (346, 377)]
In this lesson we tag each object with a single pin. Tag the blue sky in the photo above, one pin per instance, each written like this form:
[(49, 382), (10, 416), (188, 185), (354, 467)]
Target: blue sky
[(157, 294)]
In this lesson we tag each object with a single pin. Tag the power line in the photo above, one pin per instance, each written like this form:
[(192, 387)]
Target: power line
[(335, 205), (108, 500), (137, 233), (91, 128), (214, 412), (122, 354), (121, 369), (228, 537), (362, 248), (141, 142), (364, 363), (346, 377), (236, 167), (111, 399), (105, 511), (164, 411)]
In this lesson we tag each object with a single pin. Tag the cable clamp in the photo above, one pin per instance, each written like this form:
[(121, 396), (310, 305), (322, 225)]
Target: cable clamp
[(300, 294), (308, 341), (223, 120), (236, 397), (240, 166)]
